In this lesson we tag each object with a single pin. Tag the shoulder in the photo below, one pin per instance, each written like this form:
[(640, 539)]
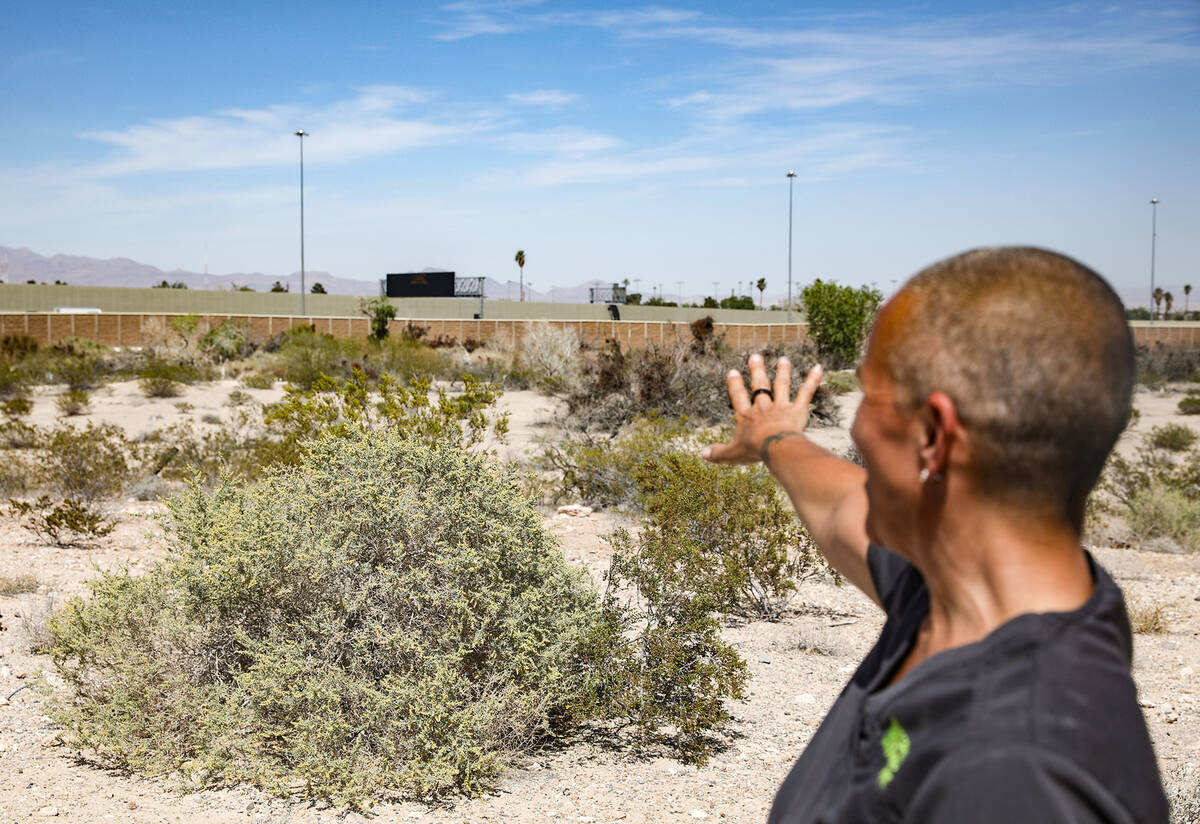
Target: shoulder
[(1025, 782)]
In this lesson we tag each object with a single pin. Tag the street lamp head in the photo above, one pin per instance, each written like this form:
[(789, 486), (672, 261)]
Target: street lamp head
[(302, 134), (791, 174), (1153, 201)]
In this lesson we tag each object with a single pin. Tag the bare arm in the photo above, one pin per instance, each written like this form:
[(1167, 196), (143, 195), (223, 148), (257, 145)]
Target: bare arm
[(828, 492)]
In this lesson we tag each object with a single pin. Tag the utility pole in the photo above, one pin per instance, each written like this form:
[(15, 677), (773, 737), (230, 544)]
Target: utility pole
[(1153, 243), (791, 176), (679, 288), (302, 134)]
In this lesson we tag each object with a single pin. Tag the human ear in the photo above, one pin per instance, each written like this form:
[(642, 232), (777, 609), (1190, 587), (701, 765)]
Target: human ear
[(940, 429)]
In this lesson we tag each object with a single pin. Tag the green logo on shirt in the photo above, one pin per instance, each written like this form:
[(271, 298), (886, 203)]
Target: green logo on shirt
[(895, 750)]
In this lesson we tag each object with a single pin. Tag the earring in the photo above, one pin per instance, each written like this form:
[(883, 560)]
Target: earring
[(924, 474)]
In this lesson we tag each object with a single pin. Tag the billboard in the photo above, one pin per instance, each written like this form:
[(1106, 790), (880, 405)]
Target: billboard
[(420, 285)]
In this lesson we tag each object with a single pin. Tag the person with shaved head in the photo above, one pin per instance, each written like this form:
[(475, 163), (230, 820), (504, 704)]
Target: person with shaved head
[(995, 384)]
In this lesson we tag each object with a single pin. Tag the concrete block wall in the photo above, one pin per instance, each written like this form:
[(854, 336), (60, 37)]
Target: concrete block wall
[(137, 329)]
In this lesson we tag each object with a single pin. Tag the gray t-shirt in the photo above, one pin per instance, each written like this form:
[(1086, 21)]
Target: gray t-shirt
[(1037, 722)]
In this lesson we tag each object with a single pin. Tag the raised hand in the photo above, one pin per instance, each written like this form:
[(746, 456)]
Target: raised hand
[(765, 414)]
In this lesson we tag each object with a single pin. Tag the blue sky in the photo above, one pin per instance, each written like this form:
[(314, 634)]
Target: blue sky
[(608, 141)]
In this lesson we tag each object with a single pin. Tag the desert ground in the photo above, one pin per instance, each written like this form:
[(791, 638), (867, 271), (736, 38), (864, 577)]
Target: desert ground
[(798, 666)]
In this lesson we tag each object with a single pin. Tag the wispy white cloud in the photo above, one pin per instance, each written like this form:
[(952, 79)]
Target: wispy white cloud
[(609, 169), (371, 123), (824, 62), (563, 140), (543, 97)]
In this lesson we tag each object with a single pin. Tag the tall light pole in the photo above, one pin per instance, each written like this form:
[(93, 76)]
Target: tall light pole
[(679, 287), (1153, 243), (790, 177), (302, 134)]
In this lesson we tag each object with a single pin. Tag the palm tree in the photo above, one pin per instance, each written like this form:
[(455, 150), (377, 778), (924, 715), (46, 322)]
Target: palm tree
[(1158, 296), (520, 259), (762, 287), (1187, 290), (1169, 298)]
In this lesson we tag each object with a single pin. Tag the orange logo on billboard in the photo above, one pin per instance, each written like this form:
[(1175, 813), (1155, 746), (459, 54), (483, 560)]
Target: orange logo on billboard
[(419, 280)]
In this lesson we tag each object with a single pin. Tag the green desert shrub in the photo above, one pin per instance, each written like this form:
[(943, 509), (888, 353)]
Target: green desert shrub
[(18, 435), (88, 464), (72, 402), (603, 471), (406, 360), (1172, 437), (225, 342), (67, 522), (463, 417), (305, 355), (724, 533), (16, 407), (17, 347), (1190, 404), (656, 660), (80, 372), (163, 378), (1160, 511), (13, 381), (839, 318), (258, 380), (385, 617)]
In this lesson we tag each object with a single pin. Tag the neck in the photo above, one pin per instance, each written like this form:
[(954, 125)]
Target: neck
[(988, 567)]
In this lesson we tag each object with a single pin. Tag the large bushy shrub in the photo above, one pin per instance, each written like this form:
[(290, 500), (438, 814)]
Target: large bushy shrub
[(603, 471), (725, 531), (226, 342), (76, 470), (305, 355), (839, 318), (1157, 491), (463, 418), (387, 616)]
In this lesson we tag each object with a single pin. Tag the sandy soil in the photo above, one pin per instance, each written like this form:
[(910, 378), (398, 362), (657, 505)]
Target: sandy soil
[(799, 665)]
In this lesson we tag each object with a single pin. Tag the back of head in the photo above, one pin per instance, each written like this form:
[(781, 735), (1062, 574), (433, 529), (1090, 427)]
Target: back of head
[(1035, 352)]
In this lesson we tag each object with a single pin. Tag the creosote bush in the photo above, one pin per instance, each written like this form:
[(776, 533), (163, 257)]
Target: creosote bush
[(1173, 437), (385, 617), (68, 522), (1190, 404), (162, 378), (72, 402), (722, 533), (1158, 491)]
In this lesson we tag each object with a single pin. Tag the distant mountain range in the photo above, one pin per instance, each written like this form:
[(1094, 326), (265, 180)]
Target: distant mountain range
[(25, 265)]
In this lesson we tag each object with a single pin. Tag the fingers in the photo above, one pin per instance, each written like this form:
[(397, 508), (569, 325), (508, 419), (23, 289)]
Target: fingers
[(809, 387), (758, 373), (783, 380), (738, 396), (727, 453)]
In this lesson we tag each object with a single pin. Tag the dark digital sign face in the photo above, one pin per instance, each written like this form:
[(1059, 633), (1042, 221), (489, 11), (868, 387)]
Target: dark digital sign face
[(421, 285)]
